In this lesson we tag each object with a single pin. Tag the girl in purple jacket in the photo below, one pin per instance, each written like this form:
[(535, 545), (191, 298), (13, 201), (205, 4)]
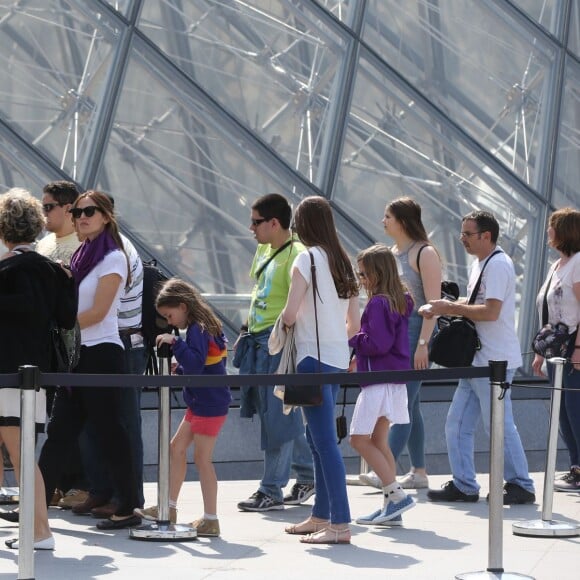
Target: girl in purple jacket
[(203, 352), (382, 344)]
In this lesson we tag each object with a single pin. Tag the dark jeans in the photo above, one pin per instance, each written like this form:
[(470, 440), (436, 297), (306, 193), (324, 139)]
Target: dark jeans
[(101, 407), (93, 453)]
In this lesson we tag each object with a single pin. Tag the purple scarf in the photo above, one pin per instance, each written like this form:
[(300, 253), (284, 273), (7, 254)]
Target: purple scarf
[(90, 253)]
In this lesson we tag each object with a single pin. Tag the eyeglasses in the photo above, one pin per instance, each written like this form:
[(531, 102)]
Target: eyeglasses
[(361, 275), (259, 221), (468, 234), (48, 207), (89, 211)]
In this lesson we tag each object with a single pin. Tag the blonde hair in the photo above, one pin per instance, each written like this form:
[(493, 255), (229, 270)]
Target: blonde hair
[(21, 216), (383, 277), (175, 292)]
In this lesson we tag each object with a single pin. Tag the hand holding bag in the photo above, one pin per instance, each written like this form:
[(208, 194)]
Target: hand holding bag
[(307, 395), (551, 340), (456, 341)]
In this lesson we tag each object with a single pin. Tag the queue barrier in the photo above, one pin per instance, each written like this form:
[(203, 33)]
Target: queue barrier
[(29, 380)]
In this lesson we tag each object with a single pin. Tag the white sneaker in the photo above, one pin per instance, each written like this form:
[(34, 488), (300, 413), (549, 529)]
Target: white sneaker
[(372, 479), (414, 481)]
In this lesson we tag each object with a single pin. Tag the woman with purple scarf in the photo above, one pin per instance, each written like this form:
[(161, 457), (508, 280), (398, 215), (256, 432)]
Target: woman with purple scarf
[(100, 269)]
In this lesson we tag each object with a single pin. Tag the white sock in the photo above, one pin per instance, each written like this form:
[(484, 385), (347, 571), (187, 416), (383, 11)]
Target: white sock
[(211, 517), (393, 492)]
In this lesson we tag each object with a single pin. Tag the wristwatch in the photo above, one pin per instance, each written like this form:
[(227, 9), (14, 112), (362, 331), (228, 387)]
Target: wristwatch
[(422, 342)]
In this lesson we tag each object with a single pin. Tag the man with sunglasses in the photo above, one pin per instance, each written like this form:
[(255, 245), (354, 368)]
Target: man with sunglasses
[(62, 240), (60, 244), (282, 436), (494, 316)]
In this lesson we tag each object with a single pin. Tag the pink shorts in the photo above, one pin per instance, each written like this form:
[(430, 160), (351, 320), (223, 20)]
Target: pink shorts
[(205, 425)]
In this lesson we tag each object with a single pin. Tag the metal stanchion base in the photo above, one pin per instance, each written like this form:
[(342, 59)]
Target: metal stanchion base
[(492, 575), (546, 529), (156, 532)]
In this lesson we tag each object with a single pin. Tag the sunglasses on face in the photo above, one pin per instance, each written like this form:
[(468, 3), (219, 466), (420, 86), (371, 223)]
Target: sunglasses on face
[(48, 207), (89, 211), (259, 221)]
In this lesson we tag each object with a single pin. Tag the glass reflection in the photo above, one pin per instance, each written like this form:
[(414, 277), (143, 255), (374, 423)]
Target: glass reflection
[(272, 64), (476, 64)]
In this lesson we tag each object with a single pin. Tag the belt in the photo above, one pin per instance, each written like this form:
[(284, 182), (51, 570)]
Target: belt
[(129, 331)]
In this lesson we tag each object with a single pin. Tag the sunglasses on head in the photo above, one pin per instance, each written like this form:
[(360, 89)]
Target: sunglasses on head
[(89, 211)]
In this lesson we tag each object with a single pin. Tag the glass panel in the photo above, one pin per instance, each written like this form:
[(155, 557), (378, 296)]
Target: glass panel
[(393, 148), (182, 186), (545, 12), (340, 8), (567, 176), (574, 34), (121, 6), (475, 63), (56, 56), (272, 66)]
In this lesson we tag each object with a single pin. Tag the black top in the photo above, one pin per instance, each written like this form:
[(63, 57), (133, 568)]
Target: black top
[(35, 293)]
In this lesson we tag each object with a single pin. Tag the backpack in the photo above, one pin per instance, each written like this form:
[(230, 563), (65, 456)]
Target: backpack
[(152, 323)]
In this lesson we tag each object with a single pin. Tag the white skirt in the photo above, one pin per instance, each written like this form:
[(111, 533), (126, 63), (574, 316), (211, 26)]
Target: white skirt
[(376, 401)]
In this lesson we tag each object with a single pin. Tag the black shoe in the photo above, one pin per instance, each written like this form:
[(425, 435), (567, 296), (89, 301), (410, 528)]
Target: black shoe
[(515, 494), (450, 493), (260, 502), (12, 516), (119, 524), (299, 494)]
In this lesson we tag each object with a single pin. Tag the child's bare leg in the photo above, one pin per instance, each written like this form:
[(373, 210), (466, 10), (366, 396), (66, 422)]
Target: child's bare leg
[(203, 455), (376, 452), (178, 458)]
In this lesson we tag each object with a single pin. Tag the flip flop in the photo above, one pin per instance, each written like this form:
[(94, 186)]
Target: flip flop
[(328, 536), (306, 527)]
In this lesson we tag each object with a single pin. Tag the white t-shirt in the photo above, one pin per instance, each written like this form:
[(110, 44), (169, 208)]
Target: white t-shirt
[(331, 315), (498, 338), (563, 305), (107, 330), (58, 248)]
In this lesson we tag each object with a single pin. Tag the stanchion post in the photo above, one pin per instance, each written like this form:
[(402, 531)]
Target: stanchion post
[(29, 383), (546, 527), (497, 379), (163, 529)]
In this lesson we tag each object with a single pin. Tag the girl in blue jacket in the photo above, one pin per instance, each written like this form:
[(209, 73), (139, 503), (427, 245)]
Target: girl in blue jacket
[(202, 352)]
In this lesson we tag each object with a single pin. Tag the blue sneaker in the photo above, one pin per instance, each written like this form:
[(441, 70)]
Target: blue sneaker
[(393, 510), (370, 520)]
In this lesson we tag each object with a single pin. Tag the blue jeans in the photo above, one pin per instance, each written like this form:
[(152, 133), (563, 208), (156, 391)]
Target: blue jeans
[(282, 436), (570, 407), (331, 500), (411, 434), (130, 402), (471, 401)]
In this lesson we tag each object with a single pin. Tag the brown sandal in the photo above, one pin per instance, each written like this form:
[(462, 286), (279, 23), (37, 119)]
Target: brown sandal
[(328, 536), (306, 527)]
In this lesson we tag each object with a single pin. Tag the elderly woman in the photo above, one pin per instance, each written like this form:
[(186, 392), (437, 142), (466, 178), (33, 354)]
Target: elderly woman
[(35, 294), (561, 295)]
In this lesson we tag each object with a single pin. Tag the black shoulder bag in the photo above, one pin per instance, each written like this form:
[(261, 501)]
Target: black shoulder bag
[(449, 290), (456, 341), (551, 340), (307, 395)]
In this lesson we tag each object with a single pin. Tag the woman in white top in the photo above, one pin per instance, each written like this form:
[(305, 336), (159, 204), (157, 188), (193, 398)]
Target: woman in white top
[(338, 318), (562, 291), (100, 268)]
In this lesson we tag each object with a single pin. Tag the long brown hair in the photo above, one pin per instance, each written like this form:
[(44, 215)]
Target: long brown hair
[(408, 213), (314, 225), (105, 205), (175, 292), (383, 277)]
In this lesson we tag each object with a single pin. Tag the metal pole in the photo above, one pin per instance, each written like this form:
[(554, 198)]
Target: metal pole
[(547, 527), (163, 529), (29, 380), (497, 379)]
